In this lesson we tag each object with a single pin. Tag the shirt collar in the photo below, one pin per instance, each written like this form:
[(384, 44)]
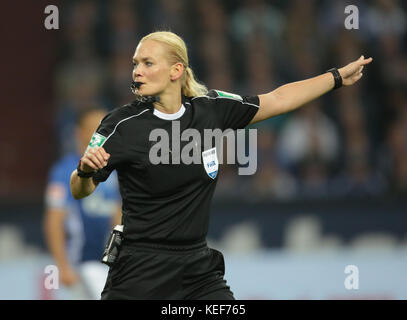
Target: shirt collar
[(170, 116)]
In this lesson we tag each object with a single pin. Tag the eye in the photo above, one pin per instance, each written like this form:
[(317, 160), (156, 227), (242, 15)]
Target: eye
[(149, 64)]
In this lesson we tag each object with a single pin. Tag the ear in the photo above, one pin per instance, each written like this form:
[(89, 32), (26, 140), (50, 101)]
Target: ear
[(176, 71)]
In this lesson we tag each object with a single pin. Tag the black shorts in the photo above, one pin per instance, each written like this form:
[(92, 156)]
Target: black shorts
[(147, 272)]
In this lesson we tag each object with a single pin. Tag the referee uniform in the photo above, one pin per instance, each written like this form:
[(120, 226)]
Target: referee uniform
[(166, 206)]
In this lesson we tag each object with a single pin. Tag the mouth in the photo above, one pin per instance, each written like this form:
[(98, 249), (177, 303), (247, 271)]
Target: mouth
[(140, 86)]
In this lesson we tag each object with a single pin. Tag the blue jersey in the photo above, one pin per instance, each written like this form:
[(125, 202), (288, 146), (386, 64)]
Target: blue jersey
[(89, 220)]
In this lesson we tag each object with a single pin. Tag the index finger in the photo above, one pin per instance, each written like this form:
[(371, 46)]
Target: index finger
[(104, 153), (366, 61)]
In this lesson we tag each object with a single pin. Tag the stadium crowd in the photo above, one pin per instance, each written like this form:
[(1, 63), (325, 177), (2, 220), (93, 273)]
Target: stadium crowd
[(351, 142)]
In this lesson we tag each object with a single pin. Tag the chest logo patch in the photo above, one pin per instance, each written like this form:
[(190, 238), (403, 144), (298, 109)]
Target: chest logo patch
[(210, 162)]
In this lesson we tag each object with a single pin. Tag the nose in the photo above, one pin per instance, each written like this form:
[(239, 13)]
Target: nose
[(137, 72)]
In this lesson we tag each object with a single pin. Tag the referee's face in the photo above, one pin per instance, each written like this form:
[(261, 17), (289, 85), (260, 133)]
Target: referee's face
[(151, 67)]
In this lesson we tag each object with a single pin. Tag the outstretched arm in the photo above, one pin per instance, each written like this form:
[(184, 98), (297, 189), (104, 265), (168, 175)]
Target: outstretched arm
[(293, 95)]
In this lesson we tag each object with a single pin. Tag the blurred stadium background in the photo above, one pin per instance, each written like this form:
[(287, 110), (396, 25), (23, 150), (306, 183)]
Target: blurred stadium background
[(331, 184)]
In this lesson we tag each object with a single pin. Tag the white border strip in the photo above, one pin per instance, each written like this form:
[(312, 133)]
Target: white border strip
[(121, 122), (250, 104)]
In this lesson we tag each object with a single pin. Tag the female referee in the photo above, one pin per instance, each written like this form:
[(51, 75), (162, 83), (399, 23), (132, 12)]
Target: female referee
[(166, 206)]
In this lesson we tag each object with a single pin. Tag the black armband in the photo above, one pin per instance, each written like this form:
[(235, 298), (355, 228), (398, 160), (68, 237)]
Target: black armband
[(337, 77), (83, 174)]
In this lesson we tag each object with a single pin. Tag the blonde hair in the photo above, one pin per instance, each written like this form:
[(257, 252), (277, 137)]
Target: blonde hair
[(190, 87)]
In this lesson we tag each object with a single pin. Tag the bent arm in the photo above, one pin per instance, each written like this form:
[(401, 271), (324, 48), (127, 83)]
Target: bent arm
[(81, 187), (94, 159), (294, 95)]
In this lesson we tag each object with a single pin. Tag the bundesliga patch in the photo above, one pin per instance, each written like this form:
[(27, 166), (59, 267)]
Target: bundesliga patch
[(210, 162), (229, 95), (96, 141)]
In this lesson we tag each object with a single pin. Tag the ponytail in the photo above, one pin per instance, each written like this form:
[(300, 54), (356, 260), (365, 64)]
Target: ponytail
[(191, 87)]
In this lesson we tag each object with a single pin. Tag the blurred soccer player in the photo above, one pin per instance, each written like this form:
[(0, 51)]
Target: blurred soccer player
[(76, 231)]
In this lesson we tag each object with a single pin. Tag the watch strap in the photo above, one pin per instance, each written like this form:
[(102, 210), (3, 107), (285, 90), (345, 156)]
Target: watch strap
[(337, 77), (83, 174)]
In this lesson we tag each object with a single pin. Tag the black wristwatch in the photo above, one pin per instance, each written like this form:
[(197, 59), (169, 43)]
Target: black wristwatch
[(337, 77), (83, 174)]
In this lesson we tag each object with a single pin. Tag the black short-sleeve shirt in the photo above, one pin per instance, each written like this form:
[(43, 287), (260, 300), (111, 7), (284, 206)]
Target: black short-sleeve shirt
[(167, 202)]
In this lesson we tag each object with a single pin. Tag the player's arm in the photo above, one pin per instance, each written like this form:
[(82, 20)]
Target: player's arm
[(55, 239), (117, 216), (94, 159), (293, 95)]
